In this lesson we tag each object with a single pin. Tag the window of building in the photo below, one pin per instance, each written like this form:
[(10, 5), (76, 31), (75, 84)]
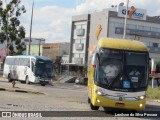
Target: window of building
[(154, 29), (131, 26), (155, 44), (146, 28), (84, 26), (147, 43), (74, 26), (118, 25), (79, 41), (76, 55), (81, 55), (76, 41), (78, 26), (83, 40), (158, 30), (140, 27), (111, 24)]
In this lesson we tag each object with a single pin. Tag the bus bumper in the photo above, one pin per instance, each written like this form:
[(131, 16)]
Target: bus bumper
[(43, 81), (106, 102)]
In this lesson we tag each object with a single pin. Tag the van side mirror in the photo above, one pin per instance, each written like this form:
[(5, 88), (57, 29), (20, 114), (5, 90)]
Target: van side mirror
[(94, 60)]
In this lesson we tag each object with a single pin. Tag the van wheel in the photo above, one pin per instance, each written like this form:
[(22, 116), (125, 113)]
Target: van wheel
[(9, 78), (27, 80), (93, 107)]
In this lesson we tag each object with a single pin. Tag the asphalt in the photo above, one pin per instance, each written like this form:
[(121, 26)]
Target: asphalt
[(23, 88), (19, 87)]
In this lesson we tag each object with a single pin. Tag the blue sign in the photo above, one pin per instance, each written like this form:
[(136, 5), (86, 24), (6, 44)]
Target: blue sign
[(126, 84)]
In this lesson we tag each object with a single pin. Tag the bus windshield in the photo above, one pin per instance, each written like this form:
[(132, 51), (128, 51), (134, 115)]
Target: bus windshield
[(43, 68), (121, 69)]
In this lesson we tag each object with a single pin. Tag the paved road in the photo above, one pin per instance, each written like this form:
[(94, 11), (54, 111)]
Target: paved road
[(60, 97)]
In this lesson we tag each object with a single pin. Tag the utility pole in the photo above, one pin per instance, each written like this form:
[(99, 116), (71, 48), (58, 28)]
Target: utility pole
[(30, 29), (125, 24)]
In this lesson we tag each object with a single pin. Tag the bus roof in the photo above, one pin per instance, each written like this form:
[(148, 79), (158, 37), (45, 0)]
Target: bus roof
[(122, 44), (32, 56)]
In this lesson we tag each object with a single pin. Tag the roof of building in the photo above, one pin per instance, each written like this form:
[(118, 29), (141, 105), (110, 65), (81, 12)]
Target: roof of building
[(124, 44)]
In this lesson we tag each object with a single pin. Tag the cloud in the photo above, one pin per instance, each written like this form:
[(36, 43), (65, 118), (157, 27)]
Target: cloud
[(54, 22)]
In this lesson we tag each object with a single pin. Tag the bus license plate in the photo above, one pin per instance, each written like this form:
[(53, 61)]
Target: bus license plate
[(120, 104)]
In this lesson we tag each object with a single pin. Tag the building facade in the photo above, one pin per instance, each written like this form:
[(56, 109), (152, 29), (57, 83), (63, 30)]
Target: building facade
[(58, 52), (79, 39), (54, 50), (35, 46), (110, 23)]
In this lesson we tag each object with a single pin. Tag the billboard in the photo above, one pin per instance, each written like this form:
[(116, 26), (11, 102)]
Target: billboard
[(133, 13)]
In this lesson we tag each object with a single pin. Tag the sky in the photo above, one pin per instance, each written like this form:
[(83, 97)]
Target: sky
[(52, 18)]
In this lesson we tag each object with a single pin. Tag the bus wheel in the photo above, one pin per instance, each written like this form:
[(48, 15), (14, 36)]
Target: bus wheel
[(42, 84), (9, 78), (89, 101), (93, 107), (27, 80)]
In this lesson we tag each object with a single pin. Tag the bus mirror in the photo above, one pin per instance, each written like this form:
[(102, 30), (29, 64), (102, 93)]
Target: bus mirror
[(94, 60), (149, 59)]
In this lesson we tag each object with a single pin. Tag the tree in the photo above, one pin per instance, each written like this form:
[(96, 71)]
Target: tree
[(11, 32)]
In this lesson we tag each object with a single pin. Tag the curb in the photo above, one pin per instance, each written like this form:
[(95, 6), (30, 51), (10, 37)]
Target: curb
[(21, 91)]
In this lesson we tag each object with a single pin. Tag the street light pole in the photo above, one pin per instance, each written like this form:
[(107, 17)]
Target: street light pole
[(125, 24), (30, 29), (7, 40)]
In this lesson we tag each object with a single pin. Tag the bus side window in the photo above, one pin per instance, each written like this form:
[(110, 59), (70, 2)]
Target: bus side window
[(28, 62), (7, 61), (33, 64), (16, 61)]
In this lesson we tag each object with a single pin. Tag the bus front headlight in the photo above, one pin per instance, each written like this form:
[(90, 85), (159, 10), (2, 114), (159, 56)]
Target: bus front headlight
[(141, 97), (100, 92)]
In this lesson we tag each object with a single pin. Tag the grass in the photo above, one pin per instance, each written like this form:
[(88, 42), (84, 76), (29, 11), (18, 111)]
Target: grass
[(153, 93)]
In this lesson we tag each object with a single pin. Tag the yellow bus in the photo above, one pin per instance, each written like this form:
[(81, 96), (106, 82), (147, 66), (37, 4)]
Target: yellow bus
[(118, 74)]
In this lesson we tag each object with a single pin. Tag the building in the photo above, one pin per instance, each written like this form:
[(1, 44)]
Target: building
[(53, 50), (59, 52), (88, 28), (35, 46)]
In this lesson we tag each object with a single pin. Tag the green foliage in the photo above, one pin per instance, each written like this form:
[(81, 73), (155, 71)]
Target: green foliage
[(153, 93), (11, 31)]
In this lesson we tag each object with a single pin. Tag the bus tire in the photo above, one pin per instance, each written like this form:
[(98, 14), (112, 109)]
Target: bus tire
[(42, 84), (27, 80), (93, 107), (89, 101), (9, 78)]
